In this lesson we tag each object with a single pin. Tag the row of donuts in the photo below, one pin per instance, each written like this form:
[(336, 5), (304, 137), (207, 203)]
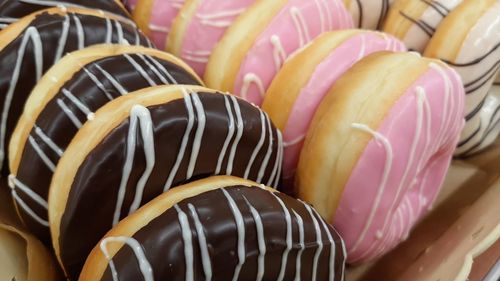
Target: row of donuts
[(207, 34), (81, 121)]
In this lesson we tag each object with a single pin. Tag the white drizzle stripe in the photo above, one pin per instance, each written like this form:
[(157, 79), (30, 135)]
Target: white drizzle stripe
[(331, 272), (259, 226), (259, 144), (119, 32), (281, 153), (83, 108), (301, 26), (14, 182), (231, 129), (219, 19), (42, 154), (269, 151), (248, 80), (275, 174), (185, 139), (201, 120), (98, 83), (154, 69), (109, 31), (387, 168), (69, 113), (298, 262), (321, 16), (63, 40), (113, 81), (240, 226), (162, 68), (28, 210), (32, 34), (188, 243), (79, 31), (39, 132), (202, 241), (279, 53), (288, 220), (141, 70), (239, 133), (318, 241), (144, 265), (139, 117)]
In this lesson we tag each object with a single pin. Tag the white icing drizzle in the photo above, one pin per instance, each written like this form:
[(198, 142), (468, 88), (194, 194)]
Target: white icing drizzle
[(318, 241), (157, 28), (300, 24), (63, 39), (42, 154), (269, 152), (113, 81), (278, 52), (298, 262), (279, 155), (240, 226), (185, 139), (109, 31), (79, 31), (141, 70), (260, 240), (162, 69), (188, 243), (230, 133), (248, 80), (331, 271), (202, 241), (259, 144), (154, 69), (119, 30), (144, 265), (288, 239), (202, 120), (39, 132), (82, 107), (32, 34), (196, 56), (98, 83), (387, 169), (69, 113), (321, 15), (239, 133), (362, 51), (13, 183), (219, 19), (295, 141), (139, 117)]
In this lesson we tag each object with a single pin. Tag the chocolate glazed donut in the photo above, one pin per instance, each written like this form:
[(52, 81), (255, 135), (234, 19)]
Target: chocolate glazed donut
[(235, 232), (12, 10), (157, 145), (92, 86), (31, 46)]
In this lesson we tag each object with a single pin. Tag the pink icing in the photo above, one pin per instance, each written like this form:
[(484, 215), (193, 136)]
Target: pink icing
[(162, 17), (206, 28), (401, 170), (324, 76), (299, 22)]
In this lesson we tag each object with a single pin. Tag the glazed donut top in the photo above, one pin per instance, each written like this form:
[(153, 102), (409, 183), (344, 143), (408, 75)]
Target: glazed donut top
[(368, 14), (153, 140), (227, 232), (32, 45), (12, 10), (58, 107)]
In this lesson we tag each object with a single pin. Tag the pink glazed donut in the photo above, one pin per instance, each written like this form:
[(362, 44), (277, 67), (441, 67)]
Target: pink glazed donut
[(303, 81), (130, 4), (255, 47), (155, 18), (379, 147), (200, 27)]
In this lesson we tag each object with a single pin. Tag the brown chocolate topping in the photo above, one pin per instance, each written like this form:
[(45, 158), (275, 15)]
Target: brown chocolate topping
[(94, 194)]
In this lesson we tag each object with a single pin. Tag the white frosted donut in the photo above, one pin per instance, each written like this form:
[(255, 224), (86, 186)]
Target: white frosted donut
[(369, 14)]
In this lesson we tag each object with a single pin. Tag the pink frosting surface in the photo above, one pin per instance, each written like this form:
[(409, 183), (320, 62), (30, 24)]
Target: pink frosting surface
[(206, 28), (299, 22), (163, 14), (402, 169), (324, 76)]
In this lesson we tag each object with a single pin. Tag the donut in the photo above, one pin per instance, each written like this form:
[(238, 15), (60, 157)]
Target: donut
[(254, 48), (67, 95), (270, 237), (130, 4), (23, 257), (374, 163), (368, 14), (303, 81), (142, 144), (416, 21), (155, 18), (13, 10), (30, 46), (200, 27), (469, 41)]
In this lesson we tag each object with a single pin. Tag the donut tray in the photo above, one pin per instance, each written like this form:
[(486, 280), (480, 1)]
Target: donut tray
[(458, 240)]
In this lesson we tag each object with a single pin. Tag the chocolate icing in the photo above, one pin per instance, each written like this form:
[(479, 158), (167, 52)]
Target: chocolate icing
[(54, 123), (163, 244), (12, 10), (93, 197), (50, 28)]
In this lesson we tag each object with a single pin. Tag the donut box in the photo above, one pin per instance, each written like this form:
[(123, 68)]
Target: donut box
[(249, 140)]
